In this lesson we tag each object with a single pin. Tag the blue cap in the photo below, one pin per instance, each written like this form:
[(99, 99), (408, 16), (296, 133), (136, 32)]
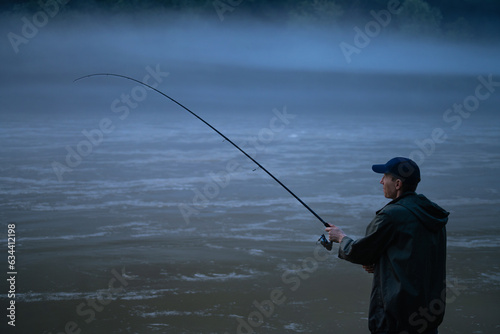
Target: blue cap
[(402, 168)]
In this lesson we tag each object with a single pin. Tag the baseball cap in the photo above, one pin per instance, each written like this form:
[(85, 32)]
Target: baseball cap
[(403, 168)]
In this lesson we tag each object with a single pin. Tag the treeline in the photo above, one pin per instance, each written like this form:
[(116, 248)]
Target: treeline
[(452, 18)]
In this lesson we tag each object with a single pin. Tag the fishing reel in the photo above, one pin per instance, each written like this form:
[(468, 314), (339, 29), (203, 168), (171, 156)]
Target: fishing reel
[(325, 242)]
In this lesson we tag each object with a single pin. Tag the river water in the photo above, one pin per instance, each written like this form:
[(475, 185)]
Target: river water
[(132, 216)]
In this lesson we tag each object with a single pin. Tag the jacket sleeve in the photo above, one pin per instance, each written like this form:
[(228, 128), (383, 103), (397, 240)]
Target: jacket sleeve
[(367, 250)]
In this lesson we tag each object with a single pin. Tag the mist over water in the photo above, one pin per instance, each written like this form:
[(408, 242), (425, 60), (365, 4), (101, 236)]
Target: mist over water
[(105, 178)]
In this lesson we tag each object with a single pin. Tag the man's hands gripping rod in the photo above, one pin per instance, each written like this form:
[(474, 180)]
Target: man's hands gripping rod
[(335, 234)]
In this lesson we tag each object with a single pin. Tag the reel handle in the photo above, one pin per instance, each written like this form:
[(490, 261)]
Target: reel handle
[(325, 242)]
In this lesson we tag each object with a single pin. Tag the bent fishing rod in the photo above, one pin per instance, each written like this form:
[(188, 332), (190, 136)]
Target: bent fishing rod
[(323, 240)]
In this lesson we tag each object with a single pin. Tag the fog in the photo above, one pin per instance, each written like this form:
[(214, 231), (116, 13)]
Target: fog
[(244, 66)]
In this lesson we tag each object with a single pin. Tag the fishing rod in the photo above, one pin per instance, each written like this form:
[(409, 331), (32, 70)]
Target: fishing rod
[(325, 242)]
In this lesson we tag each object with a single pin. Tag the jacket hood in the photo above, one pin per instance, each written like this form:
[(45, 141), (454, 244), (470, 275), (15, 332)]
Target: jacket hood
[(431, 215)]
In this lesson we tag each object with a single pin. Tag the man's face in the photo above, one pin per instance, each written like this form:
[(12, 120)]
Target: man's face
[(389, 186)]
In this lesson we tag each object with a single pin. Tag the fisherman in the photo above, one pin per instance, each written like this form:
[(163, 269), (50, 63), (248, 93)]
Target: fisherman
[(405, 248)]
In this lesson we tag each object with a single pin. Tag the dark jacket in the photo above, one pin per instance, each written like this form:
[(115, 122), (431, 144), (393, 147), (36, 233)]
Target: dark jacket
[(407, 243)]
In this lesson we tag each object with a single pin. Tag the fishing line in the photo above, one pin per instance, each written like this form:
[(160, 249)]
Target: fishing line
[(322, 239)]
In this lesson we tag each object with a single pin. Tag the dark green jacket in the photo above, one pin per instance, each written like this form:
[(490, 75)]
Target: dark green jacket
[(407, 243)]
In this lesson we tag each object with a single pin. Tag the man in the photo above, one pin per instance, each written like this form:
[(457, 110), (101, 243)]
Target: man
[(405, 248)]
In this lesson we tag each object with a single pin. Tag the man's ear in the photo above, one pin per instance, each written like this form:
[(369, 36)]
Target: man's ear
[(398, 184)]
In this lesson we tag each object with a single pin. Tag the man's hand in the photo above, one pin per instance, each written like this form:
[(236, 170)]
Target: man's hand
[(369, 268), (335, 234)]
